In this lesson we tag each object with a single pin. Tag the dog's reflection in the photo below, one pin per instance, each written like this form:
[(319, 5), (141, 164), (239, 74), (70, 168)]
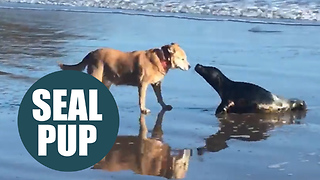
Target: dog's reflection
[(247, 127), (146, 156)]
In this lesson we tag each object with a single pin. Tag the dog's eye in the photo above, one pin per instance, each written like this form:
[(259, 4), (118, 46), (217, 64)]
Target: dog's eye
[(182, 59)]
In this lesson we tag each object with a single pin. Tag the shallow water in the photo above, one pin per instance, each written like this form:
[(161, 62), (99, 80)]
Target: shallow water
[(286, 63)]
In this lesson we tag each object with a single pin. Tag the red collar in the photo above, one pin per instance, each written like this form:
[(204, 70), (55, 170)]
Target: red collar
[(164, 59), (165, 64)]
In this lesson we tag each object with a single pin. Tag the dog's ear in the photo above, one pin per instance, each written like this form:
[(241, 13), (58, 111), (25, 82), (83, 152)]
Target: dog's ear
[(170, 48), (173, 43), (168, 52), (167, 49)]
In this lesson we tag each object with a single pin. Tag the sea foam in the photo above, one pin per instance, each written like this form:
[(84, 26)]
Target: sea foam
[(270, 9)]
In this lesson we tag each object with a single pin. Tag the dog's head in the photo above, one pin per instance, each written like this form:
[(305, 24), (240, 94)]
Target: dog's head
[(176, 55)]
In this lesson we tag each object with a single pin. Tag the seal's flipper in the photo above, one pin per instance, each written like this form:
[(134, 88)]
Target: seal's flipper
[(237, 106), (222, 108)]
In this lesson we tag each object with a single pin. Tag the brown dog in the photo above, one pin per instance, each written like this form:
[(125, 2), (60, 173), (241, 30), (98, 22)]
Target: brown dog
[(136, 68)]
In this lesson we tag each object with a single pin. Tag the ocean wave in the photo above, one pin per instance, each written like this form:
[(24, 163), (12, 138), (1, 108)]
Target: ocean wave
[(270, 9)]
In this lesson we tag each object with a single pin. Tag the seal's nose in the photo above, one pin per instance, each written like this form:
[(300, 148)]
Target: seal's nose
[(198, 66)]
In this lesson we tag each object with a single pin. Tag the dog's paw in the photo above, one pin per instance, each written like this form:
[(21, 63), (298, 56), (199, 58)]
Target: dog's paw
[(167, 107), (145, 111)]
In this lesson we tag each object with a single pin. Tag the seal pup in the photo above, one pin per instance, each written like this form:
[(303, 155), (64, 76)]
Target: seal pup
[(243, 97)]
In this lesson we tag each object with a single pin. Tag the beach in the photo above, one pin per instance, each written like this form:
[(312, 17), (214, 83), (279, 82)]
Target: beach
[(34, 38)]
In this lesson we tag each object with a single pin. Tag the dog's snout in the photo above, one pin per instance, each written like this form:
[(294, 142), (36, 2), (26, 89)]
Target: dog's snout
[(189, 66)]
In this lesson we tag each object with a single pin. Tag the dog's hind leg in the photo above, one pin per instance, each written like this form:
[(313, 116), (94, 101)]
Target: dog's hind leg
[(96, 70)]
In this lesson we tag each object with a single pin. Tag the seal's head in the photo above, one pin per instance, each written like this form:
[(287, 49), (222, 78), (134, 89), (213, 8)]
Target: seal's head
[(213, 76)]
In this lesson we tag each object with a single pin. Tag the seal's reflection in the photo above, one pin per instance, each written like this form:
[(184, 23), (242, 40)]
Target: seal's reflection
[(247, 127), (146, 156)]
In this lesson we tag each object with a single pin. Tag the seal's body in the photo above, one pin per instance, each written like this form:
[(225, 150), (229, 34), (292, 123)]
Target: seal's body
[(243, 97)]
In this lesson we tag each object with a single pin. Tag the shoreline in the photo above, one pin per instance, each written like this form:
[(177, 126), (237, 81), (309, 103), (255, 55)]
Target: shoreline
[(186, 16)]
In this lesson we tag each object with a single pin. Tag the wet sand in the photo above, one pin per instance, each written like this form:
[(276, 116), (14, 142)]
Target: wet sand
[(237, 147)]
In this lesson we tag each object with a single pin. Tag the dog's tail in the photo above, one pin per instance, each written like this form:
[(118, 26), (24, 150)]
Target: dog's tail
[(77, 67)]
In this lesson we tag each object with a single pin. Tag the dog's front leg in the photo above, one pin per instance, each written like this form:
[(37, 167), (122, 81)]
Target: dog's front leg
[(142, 98), (157, 90), (143, 131)]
